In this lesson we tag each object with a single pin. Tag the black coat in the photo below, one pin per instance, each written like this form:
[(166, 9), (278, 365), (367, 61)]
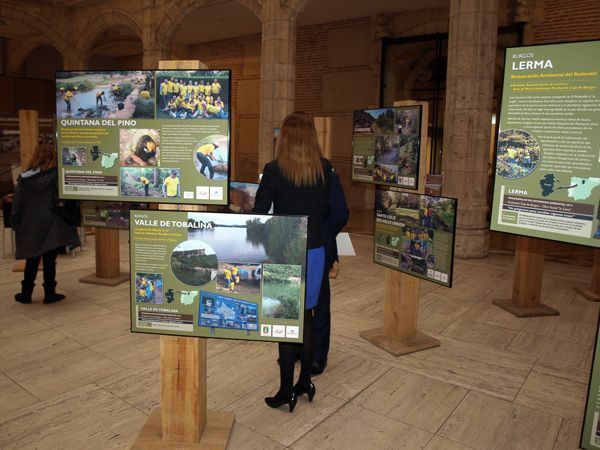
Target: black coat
[(38, 229), (311, 201)]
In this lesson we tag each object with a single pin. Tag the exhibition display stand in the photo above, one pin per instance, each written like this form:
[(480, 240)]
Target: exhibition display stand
[(527, 281), (183, 420), (592, 293), (399, 334), (108, 270), (29, 135)]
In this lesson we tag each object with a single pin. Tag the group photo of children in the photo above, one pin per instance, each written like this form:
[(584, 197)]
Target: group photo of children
[(192, 95)]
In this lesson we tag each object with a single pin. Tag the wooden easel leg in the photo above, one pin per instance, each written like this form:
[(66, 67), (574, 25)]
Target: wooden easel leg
[(399, 335), (527, 281), (183, 422), (592, 293)]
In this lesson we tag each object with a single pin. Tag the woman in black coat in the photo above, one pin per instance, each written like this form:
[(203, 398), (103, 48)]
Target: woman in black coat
[(298, 182), (40, 232)]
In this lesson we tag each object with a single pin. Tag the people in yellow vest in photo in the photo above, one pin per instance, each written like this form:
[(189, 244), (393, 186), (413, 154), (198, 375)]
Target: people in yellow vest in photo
[(196, 89), (207, 89), (172, 106), (183, 90), (164, 92), (67, 96), (100, 96), (175, 87), (205, 154), (171, 185), (170, 87), (216, 87), (146, 183)]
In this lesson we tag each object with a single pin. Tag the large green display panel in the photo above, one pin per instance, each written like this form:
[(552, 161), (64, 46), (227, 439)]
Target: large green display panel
[(590, 435), (414, 234), (150, 136), (547, 182), (235, 276)]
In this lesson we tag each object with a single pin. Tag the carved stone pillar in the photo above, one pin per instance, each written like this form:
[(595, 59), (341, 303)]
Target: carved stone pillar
[(467, 121)]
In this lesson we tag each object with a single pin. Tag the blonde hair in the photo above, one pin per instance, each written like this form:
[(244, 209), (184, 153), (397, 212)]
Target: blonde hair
[(298, 151), (43, 157)]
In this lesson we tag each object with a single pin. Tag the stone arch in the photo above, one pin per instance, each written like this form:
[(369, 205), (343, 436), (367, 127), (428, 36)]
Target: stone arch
[(176, 13), (46, 34), (94, 28)]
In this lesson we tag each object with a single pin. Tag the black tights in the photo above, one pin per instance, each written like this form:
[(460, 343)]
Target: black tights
[(287, 358), (32, 264)]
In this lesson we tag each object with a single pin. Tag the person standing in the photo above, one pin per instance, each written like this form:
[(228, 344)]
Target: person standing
[(336, 219), (298, 182), (146, 183), (171, 185), (205, 154), (40, 232), (67, 96)]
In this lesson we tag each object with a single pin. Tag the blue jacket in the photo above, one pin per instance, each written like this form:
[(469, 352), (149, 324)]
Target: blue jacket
[(335, 220)]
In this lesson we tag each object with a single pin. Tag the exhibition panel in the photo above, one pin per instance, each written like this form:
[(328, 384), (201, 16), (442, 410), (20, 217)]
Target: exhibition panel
[(385, 146), (236, 276), (547, 181), (108, 214), (153, 136), (414, 233)]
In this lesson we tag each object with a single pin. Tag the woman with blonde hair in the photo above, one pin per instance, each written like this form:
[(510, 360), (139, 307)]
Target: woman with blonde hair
[(298, 182), (40, 231)]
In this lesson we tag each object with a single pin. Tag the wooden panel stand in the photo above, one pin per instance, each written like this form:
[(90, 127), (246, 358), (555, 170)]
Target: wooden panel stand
[(399, 335), (592, 293), (29, 135), (527, 281), (183, 421), (108, 270)]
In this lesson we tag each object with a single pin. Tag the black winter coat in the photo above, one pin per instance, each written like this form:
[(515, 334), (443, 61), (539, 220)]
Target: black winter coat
[(38, 229), (311, 201)]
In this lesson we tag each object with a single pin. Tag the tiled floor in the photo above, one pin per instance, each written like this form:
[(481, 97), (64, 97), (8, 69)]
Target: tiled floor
[(73, 376)]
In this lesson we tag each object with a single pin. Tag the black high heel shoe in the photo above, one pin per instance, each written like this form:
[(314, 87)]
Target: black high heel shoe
[(277, 401), (309, 390)]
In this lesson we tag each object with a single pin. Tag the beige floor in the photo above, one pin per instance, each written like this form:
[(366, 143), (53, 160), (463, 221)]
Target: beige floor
[(73, 376)]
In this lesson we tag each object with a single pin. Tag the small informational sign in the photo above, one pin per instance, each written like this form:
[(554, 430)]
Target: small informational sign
[(386, 146), (234, 276), (414, 233), (144, 136)]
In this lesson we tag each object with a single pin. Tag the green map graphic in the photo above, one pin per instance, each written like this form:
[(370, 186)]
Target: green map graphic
[(582, 187), (547, 184), (187, 298), (108, 161)]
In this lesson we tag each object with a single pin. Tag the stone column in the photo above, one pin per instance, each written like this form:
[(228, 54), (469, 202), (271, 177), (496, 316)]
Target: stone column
[(472, 39), (277, 72), (153, 51)]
